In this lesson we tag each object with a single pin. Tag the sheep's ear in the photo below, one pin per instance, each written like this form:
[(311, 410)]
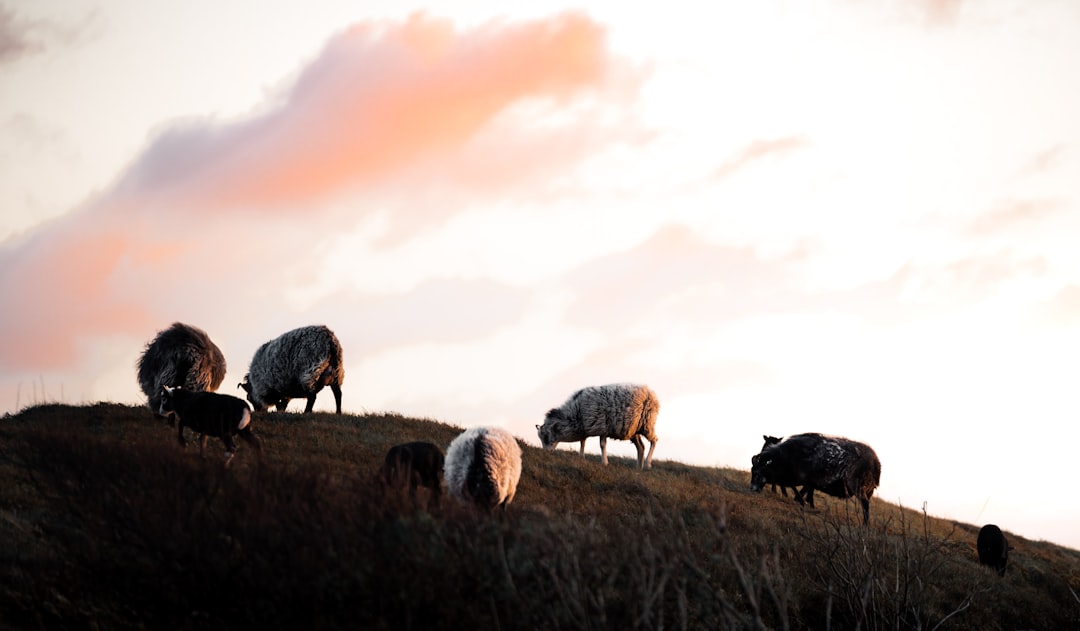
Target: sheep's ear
[(537, 427), (168, 390)]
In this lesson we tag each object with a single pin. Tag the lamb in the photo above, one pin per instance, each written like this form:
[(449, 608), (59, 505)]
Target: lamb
[(623, 411), (180, 356), (483, 466), (209, 414), (769, 442), (295, 365), (837, 466), (415, 464)]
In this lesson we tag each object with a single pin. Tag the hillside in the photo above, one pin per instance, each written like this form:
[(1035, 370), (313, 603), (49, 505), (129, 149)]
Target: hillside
[(105, 522)]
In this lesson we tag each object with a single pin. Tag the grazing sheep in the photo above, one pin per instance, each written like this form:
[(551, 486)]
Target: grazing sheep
[(209, 414), (295, 365), (623, 411), (993, 548), (415, 464), (180, 356), (837, 466), (483, 466)]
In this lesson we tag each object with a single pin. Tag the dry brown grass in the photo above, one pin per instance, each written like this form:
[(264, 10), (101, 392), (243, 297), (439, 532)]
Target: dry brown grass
[(105, 521)]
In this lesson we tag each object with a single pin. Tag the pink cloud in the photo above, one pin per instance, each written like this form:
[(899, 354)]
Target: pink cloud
[(1014, 214), (396, 110), (379, 99), (758, 150)]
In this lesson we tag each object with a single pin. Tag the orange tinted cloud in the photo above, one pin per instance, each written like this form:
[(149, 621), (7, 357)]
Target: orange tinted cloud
[(60, 290), (380, 97), (759, 150), (402, 110)]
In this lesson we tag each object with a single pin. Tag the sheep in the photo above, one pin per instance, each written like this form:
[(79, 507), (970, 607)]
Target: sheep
[(622, 411), (483, 466), (295, 365), (180, 356), (837, 466), (770, 441), (209, 414), (415, 464), (993, 548)]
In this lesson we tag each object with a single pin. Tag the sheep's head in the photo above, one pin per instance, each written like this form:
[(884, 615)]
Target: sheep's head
[(252, 399), (167, 405), (551, 429)]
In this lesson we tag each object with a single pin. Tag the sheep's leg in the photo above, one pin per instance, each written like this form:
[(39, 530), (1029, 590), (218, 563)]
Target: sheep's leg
[(808, 493), (652, 447), (640, 446), (203, 438), (582, 452), (180, 433), (310, 404), (603, 449), (336, 389)]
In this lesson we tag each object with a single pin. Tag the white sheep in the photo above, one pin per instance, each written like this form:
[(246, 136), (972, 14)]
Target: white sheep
[(623, 411), (483, 466)]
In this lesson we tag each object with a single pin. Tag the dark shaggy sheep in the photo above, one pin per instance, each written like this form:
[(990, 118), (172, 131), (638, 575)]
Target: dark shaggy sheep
[(414, 464), (483, 466), (993, 548), (295, 365), (837, 466), (623, 411), (209, 414), (180, 356)]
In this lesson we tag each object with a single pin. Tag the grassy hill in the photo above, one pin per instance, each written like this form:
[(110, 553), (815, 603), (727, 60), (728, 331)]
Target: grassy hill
[(106, 523)]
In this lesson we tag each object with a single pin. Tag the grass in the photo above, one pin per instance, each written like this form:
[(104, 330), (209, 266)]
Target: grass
[(106, 522)]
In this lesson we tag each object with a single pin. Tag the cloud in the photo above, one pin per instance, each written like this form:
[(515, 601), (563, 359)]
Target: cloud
[(217, 214), (1015, 214), (757, 151), (442, 310), (1062, 310), (16, 38), (1047, 160), (674, 270), (940, 12), (22, 38), (379, 100)]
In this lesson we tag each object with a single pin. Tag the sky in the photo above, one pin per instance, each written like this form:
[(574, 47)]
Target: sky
[(839, 216)]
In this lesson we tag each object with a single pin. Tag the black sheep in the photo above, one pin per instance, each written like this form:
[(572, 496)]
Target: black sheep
[(993, 548), (209, 414), (414, 464), (837, 466)]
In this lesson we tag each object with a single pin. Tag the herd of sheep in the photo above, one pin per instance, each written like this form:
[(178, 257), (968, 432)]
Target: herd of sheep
[(181, 368)]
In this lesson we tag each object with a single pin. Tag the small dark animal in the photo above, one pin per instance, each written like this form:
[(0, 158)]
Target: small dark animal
[(769, 441), (837, 466), (180, 356), (295, 365), (993, 548), (414, 464), (209, 414)]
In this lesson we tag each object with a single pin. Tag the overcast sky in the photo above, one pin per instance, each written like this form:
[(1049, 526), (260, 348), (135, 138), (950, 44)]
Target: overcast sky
[(857, 218)]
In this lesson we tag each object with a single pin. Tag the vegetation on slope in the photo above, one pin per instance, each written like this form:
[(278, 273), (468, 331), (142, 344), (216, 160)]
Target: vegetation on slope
[(105, 521)]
